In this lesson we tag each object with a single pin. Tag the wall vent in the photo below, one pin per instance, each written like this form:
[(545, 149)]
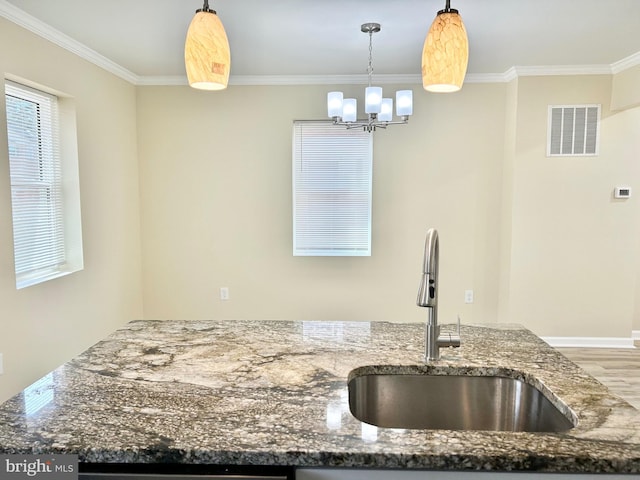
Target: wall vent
[(573, 130)]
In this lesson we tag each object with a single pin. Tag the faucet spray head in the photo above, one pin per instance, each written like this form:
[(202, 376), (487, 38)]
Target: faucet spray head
[(427, 292)]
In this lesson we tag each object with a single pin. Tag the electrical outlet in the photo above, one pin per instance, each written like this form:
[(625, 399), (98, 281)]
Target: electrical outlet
[(224, 293), (468, 296)]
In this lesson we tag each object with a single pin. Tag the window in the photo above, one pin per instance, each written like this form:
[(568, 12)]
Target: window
[(44, 194), (332, 173), (573, 130)]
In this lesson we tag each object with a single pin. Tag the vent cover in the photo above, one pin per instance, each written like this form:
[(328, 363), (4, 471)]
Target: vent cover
[(573, 130)]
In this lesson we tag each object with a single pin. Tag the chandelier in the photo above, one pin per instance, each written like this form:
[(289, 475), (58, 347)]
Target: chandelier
[(207, 58), (379, 110), (446, 52)]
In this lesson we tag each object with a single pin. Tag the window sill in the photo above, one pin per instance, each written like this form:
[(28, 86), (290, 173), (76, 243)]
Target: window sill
[(28, 282)]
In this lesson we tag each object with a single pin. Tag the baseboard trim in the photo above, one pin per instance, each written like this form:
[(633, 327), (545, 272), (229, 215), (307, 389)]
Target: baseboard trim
[(591, 342), (635, 335)]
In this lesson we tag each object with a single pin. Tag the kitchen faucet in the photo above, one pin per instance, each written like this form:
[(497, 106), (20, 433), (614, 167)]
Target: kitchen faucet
[(428, 297)]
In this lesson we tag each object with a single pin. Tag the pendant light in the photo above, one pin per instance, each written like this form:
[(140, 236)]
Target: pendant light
[(344, 111), (207, 58), (446, 52)]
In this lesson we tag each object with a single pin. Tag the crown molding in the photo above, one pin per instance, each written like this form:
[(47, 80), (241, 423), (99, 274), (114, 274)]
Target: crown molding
[(487, 77), (551, 70), (626, 63), (289, 80), (161, 80), (380, 79), (388, 79), (510, 74), (23, 19)]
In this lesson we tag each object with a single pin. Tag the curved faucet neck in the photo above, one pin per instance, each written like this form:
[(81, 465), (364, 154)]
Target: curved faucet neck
[(428, 297), (428, 291)]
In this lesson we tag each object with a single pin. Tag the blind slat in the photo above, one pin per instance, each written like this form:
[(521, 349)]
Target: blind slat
[(36, 181), (332, 176)]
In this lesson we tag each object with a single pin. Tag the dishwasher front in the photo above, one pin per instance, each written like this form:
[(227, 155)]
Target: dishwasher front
[(160, 471)]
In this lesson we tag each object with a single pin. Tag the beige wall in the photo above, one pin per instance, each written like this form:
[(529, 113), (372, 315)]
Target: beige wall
[(506, 201), (625, 92), (625, 95), (627, 124), (539, 240), (44, 325), (574, 254), (216, 207)]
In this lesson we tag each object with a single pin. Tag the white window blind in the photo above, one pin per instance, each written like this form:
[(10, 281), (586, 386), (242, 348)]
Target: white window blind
[(36, 183), (332, 175)]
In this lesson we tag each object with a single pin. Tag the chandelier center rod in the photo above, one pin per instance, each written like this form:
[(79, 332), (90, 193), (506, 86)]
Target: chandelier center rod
[(370, 28)]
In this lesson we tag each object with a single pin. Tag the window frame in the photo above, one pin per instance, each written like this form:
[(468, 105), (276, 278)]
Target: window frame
[(45, 197)]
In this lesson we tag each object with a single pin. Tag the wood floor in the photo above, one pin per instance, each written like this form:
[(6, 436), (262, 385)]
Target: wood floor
[(617, 368)]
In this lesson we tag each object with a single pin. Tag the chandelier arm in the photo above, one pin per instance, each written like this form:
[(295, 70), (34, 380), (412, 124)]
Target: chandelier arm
[(397, 122), (377, 124), (350, 125)]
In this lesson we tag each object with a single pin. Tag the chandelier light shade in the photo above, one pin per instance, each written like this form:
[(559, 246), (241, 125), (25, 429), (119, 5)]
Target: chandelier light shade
[(207, 57), (446, 53), (379, 110)]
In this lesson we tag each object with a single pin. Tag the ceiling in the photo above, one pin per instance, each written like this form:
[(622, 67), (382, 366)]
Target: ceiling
[(322, 37)]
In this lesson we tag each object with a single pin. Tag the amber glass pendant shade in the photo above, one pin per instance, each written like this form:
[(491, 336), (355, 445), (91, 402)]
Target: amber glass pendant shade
[(207, 57), (445, 54)]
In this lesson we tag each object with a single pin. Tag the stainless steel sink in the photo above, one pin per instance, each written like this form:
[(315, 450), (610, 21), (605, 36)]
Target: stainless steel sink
[(453, 402)]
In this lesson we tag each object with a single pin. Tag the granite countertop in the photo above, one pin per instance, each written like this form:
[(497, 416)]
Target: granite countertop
[(275, 393)]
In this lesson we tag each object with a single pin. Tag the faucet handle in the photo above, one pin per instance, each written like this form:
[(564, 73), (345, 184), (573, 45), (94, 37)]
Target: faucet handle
[(458, 324)]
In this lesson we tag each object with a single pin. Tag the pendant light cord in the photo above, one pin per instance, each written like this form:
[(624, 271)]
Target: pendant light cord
[(205, 8), (447, 8)]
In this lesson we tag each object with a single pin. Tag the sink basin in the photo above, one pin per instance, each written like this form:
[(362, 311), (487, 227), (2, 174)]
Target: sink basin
[(453, 402)]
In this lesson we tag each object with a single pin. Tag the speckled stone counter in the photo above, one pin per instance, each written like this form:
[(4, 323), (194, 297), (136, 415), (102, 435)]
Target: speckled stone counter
[(275, 393)]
